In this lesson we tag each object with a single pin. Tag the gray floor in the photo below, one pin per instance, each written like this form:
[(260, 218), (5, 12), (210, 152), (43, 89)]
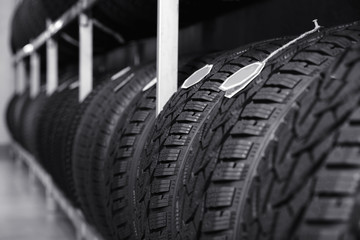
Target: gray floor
[(23, 213)]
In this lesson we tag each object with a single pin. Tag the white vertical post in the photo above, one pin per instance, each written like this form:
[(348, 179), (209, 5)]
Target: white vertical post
[(34, 74), (86, 55), (52, 74), (167, 51), (20, 77)]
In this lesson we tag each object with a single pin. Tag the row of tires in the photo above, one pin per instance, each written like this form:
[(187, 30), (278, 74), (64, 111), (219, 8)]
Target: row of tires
[(279, 160)]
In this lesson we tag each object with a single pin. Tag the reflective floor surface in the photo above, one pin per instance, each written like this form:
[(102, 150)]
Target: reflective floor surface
[(23, 210)]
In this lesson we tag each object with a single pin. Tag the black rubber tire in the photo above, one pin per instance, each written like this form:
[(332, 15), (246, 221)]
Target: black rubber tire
[(176, 195), (305, 184), (30, 120), (47, 116), (18, 112), (236, 141), (93, 136), (28, 22), (23, 119), (56, 8), (44, 128), (10, 114), (60, 134), (166, 124), (68, 100), (124, 153), (70, 113), (120, 166)]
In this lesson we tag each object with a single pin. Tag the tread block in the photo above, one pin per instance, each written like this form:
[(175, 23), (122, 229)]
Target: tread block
[(271, 46), (140, 116), (119, 182), (181, 128), (298, 67), (149, 104), (157, 220), (272, 94), (160, 186), (230, 171), (348, 33), (313, 57), (330, 209), (165, 170), (322, 48), (230, 68), (219, 197), (208, 96), (212, 86), (220, 76), (337, 182), (169, 155), (349, 135), (262, 111), (284, 80), (176, 140), (355, 117), (158, 236), (344, 156), (120, 166), (216, 221), (339, 42), (248, 127), (235, 149), (222, 237), (189, 117), (128, 141), (159, 201), (123, 231), (119, 219), (195, 106), (318, 233), (120, 204), (125, 152), (118, 194), (134, 128)]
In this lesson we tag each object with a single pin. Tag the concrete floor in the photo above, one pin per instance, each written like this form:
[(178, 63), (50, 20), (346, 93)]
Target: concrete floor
[(23, 213)]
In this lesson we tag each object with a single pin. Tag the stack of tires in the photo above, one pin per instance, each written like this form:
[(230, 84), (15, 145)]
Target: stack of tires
[(279, 160)]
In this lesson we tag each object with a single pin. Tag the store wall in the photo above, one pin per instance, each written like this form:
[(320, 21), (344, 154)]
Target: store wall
[(6, 70)]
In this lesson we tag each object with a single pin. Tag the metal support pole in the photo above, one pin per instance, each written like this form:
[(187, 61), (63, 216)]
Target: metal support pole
[(52, 74), (86, 56), (167, 51), (34, 74), (20, 77)]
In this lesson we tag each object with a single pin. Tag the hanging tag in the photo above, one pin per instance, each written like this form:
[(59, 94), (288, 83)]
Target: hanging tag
[(62, 87), (150, 84), (124, 82), (243, 77), (74, 85), (240, 79), (197, 76), (121, 73)]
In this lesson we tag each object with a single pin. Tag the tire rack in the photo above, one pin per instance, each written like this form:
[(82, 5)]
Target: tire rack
[(54, 197), (167, 68)]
